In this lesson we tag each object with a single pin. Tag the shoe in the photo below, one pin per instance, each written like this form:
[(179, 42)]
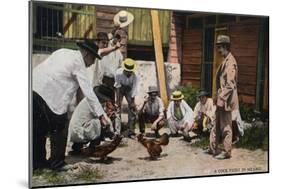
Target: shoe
[(222, 156), (157, 135), (208, 151), (66, 167), (175, 135)]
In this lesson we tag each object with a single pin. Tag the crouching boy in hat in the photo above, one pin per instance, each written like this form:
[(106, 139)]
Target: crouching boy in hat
[(204, 113), (152, 111), (179, 115)]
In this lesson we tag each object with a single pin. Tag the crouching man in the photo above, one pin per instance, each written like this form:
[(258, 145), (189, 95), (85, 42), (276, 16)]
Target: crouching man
[(204, 113), (179, 115), (85, 127), (152, 112)]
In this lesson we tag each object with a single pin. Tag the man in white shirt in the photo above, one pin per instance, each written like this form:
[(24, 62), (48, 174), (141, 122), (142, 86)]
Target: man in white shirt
[(85, 127), (152, 112), (55, 82), (179, 115), (126, 84), (106, 68)]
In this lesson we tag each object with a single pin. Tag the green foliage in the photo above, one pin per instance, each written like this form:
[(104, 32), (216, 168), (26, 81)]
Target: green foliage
[(202, 143), (247, 112), (254, 138), (189, 93), (89, 175)]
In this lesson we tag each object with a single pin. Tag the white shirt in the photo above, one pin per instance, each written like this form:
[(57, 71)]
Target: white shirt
[(208, 108), (123, 80), (185, 109), (154, 108), (57, 79), (107, 66), (85, 125)]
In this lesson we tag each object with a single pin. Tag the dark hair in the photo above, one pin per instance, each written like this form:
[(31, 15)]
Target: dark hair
[(102, 36)]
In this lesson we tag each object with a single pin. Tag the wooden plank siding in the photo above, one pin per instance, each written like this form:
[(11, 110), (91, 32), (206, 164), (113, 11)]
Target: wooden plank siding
[(104, 18), (140, 31), (244, 46), (192, 57), (79, 25), (175, 44)]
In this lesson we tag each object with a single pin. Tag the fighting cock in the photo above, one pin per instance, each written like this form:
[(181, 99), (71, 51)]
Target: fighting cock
[(101, 151), (153, 146)]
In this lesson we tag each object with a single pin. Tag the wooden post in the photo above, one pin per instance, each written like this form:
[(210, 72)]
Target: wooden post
[(159, 56)]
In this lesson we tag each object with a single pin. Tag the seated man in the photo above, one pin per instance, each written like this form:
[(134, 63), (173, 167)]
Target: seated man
[(85, 127), (152, 111), (179, 115), (204, 113), (126, 84)]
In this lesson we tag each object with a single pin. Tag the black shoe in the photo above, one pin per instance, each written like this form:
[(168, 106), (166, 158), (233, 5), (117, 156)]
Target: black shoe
[(132, 135), (76, 147), (157, 135)]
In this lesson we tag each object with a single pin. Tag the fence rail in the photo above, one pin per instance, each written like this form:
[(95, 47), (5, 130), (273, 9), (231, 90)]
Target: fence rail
[(61, 25)]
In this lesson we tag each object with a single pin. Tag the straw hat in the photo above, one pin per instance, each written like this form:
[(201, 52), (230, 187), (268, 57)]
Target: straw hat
[(123, 18), (129, 65), (152, 89), (177, 95), (222, 39)]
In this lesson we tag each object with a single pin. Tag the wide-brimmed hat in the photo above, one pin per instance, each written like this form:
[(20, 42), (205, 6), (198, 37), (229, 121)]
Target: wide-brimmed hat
[(90, 46), (123, 18), (222, 39), (152, 89), (177, 95), (202, 93), (104, 93), (129, 65)]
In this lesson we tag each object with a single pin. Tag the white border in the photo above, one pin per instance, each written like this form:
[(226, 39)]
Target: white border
[(14, 93)]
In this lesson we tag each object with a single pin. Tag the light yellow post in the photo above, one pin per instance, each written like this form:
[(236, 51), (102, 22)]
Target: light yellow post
[(159, 56)]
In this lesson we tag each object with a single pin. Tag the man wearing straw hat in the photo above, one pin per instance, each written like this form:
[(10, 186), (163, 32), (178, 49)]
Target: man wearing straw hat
[(55, 82), (152, 111), (126, 84), (121, 20), (226, 100), (179, 115)]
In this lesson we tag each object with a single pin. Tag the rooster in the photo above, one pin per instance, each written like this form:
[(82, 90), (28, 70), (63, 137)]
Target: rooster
[(153, 146), (101, 151)]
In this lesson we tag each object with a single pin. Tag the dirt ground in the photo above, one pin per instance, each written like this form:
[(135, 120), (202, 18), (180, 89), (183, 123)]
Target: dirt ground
[(179, 159)]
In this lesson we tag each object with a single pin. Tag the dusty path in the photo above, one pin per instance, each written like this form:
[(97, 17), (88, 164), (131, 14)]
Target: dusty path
[(178, 159)]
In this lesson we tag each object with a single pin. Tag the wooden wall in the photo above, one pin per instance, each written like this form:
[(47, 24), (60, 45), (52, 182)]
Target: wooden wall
[(244, 46), (192, 57), (105, 17), (175, 41)]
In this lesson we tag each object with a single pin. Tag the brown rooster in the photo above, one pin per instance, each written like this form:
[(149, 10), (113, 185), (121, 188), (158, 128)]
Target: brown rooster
[(101, 151), (153, 146)]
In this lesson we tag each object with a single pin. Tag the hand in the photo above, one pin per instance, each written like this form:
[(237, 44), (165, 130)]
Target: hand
[(104, 121), (117, 45), (154, 126), (220, 102)]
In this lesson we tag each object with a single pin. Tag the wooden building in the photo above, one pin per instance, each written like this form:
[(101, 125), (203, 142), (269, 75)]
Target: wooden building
[(188, 39)]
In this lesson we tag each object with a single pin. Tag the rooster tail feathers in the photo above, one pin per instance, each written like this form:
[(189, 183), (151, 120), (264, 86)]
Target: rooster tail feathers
[(164, 139)]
